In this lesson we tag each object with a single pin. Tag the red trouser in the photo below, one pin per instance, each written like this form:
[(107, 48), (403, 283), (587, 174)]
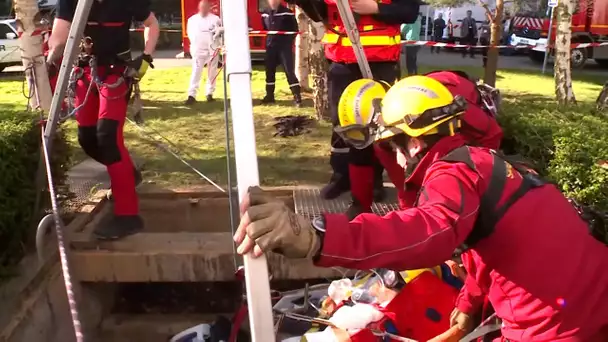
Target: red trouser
[(100, 133), (388, 159)]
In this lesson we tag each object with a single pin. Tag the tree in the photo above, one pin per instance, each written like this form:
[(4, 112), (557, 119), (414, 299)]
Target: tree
[(495, 18), (302, 50), (318, 67), (563, 37), (30, 32)]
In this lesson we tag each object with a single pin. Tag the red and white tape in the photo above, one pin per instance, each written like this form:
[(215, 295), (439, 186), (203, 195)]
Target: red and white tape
[(450, 45), (419, 42)]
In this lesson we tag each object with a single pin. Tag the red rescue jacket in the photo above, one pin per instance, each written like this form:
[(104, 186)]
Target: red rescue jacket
[(542, 271), (380, 41)]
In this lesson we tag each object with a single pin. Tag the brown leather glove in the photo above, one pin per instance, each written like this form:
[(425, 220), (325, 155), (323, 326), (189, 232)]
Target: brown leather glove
[(463, 321), (267, 224)]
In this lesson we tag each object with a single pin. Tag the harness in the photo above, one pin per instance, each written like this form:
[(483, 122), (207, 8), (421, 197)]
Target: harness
[(490, 213), (86, 59)]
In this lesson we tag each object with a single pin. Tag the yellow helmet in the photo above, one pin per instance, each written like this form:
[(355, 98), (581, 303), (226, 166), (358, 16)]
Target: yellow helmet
[(358, 109), (420, 105)]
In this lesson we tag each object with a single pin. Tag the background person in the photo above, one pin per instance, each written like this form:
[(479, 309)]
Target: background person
[(280, 49), (379, 27), (468, 34), (409, 53), (438, 27), (102, 116), (201, 28)]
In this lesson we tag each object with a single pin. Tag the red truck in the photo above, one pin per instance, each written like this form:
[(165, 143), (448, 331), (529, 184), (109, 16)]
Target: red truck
[(257, 42), (589, 25)]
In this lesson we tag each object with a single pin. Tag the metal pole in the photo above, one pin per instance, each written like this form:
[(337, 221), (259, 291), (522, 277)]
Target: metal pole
[(548, 41), (81, 15), (238, 69)]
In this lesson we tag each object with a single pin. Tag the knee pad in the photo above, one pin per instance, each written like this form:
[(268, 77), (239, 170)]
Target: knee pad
[(107, 138), (87, 138)]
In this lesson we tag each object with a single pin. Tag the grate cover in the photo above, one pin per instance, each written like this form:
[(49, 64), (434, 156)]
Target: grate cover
[(308, 202)]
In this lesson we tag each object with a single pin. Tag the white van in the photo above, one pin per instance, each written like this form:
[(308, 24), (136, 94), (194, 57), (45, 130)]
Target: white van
[(10, 54)]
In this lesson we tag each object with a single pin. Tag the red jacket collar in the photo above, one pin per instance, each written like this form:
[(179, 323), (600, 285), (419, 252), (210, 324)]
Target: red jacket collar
[(439, 150)]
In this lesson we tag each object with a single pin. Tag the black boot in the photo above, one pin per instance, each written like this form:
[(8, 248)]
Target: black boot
[(297, 97), (116, 227), (339, 182), (379, 192), (269, 98), (138, 180), (210, 98), (355, 209), (190, 101)]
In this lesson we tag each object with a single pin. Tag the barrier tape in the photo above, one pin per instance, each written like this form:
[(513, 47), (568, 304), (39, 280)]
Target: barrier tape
[(421, 42)]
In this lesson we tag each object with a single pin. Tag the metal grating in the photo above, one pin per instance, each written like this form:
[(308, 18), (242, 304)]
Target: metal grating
[(85, 178), (308, 202)]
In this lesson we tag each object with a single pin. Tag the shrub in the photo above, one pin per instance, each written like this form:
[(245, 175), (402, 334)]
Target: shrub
[(20, 151), (565, 144)]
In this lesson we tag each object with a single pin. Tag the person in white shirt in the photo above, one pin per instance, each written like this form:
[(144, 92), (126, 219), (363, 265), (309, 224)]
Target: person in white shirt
[(201, 29)]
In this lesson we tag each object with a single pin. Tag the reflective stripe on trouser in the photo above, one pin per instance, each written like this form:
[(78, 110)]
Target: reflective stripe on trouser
[(284, 56), (198, 64), (101, 120)]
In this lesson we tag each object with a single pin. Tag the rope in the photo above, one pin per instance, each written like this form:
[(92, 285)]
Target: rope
[(63, 256), (177, 156), (229, 167)]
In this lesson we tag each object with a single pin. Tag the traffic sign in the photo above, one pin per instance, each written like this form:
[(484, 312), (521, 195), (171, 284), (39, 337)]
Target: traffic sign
[(552, 3)]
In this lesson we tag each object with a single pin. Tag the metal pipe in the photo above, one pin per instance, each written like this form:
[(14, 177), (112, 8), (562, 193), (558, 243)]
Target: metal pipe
[(238, 68)]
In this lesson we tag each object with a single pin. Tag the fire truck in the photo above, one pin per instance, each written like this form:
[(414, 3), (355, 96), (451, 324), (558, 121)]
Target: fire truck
[(589, 25), (257, 42)]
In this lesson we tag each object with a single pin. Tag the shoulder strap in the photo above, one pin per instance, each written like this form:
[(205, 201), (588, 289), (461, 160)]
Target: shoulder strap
[(489, 211)]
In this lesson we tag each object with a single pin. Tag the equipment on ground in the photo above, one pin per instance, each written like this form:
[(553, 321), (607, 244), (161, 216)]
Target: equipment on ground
[(292, 125)]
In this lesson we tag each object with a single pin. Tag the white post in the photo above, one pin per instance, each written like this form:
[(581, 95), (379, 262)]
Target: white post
[(548, 39), (238, 68)]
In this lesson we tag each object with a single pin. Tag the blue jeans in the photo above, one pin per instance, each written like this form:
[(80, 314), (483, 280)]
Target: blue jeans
[(409, 58)]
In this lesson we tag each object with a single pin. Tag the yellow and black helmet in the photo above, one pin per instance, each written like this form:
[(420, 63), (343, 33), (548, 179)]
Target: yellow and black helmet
[(358, 111), (419, 105)]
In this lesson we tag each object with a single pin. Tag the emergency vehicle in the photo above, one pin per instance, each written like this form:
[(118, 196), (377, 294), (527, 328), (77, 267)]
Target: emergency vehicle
[(10, 55), (589, 25), (257, 42)]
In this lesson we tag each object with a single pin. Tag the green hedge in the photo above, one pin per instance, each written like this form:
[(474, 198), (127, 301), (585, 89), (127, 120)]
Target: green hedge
[(20, 152), (565, 144)]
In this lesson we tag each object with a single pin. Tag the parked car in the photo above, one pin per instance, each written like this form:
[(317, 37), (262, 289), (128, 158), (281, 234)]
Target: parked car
[(10, 54)]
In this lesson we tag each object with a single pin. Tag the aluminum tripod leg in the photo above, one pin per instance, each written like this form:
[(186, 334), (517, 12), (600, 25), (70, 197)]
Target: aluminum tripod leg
[(81, 15), (346, 14)]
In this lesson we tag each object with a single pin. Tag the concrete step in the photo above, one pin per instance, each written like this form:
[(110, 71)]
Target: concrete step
[(187, 238)]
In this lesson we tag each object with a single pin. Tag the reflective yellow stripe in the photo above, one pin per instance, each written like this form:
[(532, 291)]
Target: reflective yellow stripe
[(332, 38)]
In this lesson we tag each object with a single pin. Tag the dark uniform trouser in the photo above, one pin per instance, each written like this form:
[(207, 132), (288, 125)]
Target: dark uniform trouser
[(281, 55), (360, 167)]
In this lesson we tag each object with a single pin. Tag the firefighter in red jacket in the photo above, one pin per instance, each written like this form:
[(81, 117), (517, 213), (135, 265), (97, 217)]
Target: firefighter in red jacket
[(478, 124), (522, 243), (379, 26), (105, 70)]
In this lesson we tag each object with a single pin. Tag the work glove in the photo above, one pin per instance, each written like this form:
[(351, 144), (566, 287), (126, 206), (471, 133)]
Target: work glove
[(463, 321), (268, 224), (141, 64)]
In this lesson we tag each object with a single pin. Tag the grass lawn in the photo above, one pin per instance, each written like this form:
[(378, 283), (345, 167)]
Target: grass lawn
[(199, 131)]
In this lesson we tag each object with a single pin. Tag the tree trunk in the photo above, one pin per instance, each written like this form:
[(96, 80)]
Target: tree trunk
[(30, 33), (318, 67), (489, 76), (302, 66), (562, 70)]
